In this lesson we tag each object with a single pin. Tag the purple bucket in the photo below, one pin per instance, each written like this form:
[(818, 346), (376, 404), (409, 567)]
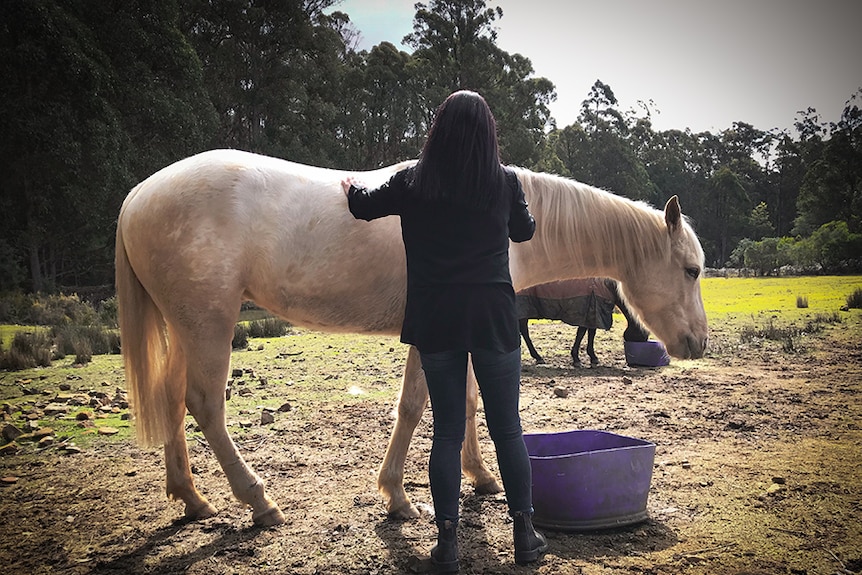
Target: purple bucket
[(585, 480), (646, 353)]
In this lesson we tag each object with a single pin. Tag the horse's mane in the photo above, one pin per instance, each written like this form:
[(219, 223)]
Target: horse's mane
[(629, 231)]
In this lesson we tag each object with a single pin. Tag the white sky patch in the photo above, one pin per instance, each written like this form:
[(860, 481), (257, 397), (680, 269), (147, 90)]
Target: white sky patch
[(703, 64)]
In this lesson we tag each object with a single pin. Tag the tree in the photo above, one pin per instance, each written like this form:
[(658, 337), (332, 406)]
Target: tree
[(789, 171), (727, 198), (98, 94), (758, 221), (455, 49), (832, 247), (273, 72), (383, 119), (832, 185), (599, 148), (62, 136)]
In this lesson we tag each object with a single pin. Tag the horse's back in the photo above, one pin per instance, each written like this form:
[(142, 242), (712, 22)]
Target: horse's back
[(228, 225)]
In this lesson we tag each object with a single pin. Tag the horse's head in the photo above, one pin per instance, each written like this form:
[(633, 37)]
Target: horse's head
[(666, 292)]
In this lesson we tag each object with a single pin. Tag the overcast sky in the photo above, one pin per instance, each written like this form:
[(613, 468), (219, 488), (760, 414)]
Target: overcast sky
[(704, 64)]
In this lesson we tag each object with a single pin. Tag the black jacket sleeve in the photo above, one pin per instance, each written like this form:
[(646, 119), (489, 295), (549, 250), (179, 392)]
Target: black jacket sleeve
[(522, 225), (387, 200)]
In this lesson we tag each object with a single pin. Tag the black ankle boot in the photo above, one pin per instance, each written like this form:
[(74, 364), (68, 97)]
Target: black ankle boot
[(529, 543), (444, 555)]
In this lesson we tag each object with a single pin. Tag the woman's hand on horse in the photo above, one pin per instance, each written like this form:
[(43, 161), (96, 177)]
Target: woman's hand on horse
[(347, 182)]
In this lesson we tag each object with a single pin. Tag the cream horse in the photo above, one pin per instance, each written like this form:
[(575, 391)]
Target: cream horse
[(202, 235)]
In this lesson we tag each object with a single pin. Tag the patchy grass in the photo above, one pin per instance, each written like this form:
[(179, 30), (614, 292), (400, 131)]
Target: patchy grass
[(305, 369)]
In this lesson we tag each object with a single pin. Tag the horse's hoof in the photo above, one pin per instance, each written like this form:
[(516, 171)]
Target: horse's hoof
[(406, 511), (268, 518), (488, 488), (540, 361), (204, 511)]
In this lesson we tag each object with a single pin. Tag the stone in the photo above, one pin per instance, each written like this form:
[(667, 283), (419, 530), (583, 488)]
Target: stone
[(43, 432), (9, 448), (11, 433), (561, 392), (108, 430), (267, 418), (56, 409), (774, 488)]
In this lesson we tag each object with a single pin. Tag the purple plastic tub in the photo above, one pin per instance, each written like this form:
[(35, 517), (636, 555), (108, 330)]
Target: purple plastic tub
[(585, 480), (646, 353)]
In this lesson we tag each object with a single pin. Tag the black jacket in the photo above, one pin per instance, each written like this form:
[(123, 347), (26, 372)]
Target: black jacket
[(459, 290)]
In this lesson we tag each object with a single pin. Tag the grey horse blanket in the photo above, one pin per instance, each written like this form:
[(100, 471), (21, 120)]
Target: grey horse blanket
[(587, 302)]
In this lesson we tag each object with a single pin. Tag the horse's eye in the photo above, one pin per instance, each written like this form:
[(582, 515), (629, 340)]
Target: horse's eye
[(693, 273)]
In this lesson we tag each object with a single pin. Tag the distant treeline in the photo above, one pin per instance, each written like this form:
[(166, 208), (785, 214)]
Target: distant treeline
[(99, 94)]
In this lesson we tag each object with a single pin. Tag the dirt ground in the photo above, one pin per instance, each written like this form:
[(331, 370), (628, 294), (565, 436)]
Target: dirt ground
[(757, 471)]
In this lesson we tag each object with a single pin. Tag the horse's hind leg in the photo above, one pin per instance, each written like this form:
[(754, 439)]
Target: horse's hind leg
[(472, 463), (180, 484), (208, 363), (591, 347), (576, 347), (411, 403), (525, 333)]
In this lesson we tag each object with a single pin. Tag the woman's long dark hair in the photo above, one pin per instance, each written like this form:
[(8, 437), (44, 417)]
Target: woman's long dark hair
[(460, 162)]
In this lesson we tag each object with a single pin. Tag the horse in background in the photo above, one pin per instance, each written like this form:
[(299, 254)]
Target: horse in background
[(586, 303), (200, 236)]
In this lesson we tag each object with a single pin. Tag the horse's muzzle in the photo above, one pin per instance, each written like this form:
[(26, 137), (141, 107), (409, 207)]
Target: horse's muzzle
[(697, 347)]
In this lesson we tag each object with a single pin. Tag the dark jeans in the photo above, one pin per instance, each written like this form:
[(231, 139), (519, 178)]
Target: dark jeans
[(499, 378)]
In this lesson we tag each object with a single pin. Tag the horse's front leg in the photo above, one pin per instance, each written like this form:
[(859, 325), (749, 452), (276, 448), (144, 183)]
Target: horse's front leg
[(411, 403), (472, 463)]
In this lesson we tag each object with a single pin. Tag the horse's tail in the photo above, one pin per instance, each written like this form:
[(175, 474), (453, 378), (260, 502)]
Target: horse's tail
[(145, 349)]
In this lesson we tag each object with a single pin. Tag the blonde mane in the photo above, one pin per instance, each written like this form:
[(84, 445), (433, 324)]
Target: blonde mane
[(628, 232)]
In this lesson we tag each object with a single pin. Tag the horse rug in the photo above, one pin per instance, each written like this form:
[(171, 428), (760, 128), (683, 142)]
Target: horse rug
[(585, 303)]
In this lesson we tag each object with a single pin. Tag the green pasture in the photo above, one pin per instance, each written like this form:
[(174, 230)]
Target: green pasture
[(7, 332), (729, 299)]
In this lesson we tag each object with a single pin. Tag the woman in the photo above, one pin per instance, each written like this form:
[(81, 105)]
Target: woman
[(459, 208)]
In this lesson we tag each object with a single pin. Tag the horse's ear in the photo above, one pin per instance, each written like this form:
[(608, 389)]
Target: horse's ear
[(673, 215)]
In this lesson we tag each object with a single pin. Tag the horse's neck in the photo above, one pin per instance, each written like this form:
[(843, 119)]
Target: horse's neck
[(584, 232)]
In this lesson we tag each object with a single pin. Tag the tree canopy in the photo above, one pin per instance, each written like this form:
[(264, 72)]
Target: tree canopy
[(99, 94)]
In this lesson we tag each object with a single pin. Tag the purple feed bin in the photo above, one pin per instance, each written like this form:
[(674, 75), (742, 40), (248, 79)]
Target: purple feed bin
[(585, 480), (646, 353)]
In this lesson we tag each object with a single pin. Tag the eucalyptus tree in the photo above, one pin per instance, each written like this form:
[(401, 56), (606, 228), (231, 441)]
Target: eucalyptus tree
[(601, 149), (832, 186), (455, 48), (272, 71), (384, 118), (95, 98)]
